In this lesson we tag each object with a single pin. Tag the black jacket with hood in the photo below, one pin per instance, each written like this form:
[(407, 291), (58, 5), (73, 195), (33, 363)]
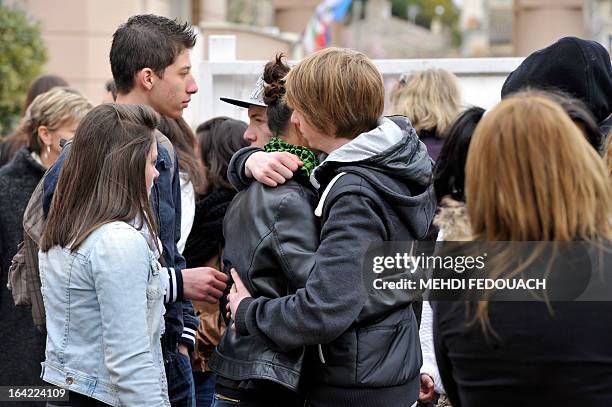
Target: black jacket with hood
[(370, 353), (579, 67)]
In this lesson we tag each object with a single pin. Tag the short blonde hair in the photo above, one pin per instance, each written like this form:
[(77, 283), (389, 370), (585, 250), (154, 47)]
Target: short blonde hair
[(430, 99), (52, 109), (532, 176), (339, 91)]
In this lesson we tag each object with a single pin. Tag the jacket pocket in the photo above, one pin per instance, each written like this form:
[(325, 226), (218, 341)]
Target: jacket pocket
[(155, 299), (154, 287), (388, 354), (17, 278)]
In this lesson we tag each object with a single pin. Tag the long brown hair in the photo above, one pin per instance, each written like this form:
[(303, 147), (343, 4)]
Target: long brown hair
[(184, 141), (103, 177), (219, 138), (608, 155), (532, 176)]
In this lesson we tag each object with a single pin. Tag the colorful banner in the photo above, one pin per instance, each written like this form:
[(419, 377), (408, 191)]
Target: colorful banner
[(317, 34)]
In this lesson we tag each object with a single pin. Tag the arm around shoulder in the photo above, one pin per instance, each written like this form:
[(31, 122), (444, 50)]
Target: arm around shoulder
[(236, 168)]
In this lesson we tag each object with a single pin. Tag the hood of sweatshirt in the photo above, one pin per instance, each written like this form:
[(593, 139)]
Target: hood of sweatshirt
[(396, 163), (580, 67)]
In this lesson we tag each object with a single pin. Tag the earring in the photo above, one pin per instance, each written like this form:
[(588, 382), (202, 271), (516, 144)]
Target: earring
[(47, 152)]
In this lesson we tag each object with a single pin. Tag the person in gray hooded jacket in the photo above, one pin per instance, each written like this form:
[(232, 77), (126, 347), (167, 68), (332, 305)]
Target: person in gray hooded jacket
[(375, 186)]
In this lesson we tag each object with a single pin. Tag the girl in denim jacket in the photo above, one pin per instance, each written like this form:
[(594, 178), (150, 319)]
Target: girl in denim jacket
[(100, 279)]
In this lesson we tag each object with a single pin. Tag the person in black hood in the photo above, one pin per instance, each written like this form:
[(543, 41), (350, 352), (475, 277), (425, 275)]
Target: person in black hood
[(375, 186), (578, 67)]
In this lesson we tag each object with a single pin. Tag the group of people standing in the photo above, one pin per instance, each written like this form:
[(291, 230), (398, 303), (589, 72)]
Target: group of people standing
[(225, 267)]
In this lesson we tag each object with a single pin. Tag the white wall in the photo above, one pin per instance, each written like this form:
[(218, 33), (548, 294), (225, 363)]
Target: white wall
[(480, 79)]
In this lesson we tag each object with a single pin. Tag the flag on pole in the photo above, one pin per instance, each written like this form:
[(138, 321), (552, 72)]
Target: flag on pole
[(317, 34)]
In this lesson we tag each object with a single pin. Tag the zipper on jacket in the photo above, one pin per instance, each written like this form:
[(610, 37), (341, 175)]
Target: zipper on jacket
[(320, 349), (165, 353)]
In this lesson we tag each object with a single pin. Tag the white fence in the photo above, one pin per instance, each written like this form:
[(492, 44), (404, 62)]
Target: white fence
[(480, 79)]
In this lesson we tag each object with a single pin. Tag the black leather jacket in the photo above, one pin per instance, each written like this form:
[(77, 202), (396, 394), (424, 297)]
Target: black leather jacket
[(271, 235)]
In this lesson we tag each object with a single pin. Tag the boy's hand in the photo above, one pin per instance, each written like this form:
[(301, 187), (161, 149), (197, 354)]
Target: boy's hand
[(203, 284), (272, 169), (238, 293), (426, 392)]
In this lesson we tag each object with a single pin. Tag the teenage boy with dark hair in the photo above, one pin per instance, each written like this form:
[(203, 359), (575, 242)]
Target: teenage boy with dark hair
[(151, 66), (375, 186), (257, 134)]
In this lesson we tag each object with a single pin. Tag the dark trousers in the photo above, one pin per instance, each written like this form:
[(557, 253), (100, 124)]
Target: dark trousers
[(181, 388), (218, 402), (204, 388), (221, 401)]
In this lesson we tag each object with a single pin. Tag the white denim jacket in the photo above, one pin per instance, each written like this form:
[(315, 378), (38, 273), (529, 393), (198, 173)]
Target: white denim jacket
[(104, 304)]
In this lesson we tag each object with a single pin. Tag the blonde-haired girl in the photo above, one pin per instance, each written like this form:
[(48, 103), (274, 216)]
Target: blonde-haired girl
[(532, 177), (431, 99)]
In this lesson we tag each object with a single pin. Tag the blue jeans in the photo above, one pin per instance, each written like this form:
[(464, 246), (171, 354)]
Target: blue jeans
[(205, 391), (181, 388)]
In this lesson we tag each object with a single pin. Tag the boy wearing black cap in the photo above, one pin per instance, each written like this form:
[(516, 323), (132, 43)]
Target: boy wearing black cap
[(257, 134)]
